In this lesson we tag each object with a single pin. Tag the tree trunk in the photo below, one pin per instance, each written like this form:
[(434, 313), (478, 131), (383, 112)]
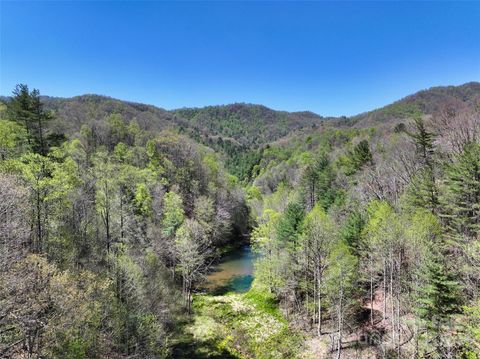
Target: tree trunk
[(384, 291), (319, 299), (392, 304), (38, 247), (371, 300), (371, 293), (340, 323)]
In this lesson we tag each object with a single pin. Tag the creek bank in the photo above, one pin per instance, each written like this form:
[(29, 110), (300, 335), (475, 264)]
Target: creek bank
[(232, 319), (241, 325)]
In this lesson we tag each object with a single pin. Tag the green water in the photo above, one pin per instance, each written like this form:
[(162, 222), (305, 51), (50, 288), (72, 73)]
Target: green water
[(234, 273)]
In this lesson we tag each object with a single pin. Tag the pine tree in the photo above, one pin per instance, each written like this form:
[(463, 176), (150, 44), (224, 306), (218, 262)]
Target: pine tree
[(425, 191), (290, 225), (27, 109), (359, 156), (351, 231), (462, 193), (438, 301), (318, 183)]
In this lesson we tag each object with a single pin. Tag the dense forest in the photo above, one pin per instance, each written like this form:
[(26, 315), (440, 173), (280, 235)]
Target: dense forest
[(366, 230)]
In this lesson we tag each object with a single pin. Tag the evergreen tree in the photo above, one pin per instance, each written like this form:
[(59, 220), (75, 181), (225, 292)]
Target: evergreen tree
[(26, 108), (425, 191), (318, 182), (351, 231), (438, 302), (462, 193), (290, 225), (359, 156)]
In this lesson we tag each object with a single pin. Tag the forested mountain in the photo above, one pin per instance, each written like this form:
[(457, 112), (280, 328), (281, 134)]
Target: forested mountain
[(71, 113), (233, 130), (434, 101), (239, 130), (366, 229), (248, 125)]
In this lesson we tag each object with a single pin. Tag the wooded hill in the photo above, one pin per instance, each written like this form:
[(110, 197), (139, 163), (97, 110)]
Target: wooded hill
[(237, 130)]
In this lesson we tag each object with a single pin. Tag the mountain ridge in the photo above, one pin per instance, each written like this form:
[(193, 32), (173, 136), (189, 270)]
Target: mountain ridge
[(464, 96)]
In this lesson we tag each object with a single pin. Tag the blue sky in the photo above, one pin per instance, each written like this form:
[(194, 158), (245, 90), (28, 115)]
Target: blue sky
[(333, 58)]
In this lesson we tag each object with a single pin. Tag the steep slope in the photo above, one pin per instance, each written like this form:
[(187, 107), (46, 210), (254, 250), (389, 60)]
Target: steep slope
[(432, 101)]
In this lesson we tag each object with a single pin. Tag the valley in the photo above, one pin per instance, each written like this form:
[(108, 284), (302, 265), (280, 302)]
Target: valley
[(239, 231)]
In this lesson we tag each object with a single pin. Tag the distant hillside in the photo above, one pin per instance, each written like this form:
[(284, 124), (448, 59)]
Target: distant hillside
[(241, 124), (239, 131), (247, 124), (427, 102), (71, 113)]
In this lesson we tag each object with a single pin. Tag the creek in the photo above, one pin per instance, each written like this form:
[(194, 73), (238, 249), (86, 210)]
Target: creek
[(233, 273)]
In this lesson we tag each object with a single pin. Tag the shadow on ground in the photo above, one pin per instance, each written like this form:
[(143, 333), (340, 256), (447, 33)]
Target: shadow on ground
[(187, 347)]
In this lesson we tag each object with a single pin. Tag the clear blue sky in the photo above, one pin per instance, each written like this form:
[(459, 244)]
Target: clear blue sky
[(334, 58)]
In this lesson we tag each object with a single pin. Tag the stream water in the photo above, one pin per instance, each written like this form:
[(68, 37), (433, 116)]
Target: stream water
[(234, 272)]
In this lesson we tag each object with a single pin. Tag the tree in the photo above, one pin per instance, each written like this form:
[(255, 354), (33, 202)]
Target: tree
[(340, 277), (27, 109), (358, 157), (13, 139), (290, 225), (424, 191), (36, 170), (106, 194), (173, 214), (471, 331), (192, 249), (264, 241), (318, 183), (351, 231), (318, 237), (117, 130), (461, 200), (438, 302), (29, 308), (14, 227), (19, 108)]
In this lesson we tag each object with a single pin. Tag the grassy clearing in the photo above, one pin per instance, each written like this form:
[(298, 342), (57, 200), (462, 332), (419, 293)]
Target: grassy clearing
[(247, 325)]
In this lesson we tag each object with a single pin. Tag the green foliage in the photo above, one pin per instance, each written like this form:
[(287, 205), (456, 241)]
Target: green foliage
[(340, 274), (263, 238), (402, 110), (358, 157), (107, 222), (351, 231), (319, 182), (439, 300), (253, 192), (424, 191), (74, 348), (318, 231), (461, 197), (437, 303), (13, 139), (290, 224), (26, 108), (471, 330), (173, 214), (143, 200), (242, 325)]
